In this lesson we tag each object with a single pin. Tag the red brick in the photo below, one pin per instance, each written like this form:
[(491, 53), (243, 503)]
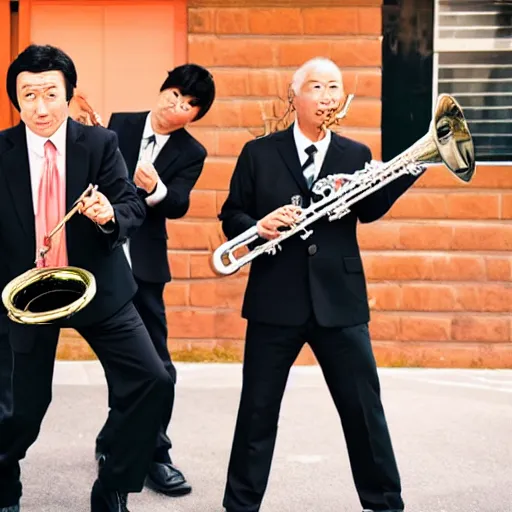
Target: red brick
[(413, 267), (201, 21), (231, 142), (370, 20), (506, 206), (439, 176), (385, 296), (481, 328), (384, 327), (347, 52), (443, 355), (192, 235), (230, 325), (236, 113), (232, 21), (331, 21), (207, 137), (202, 204), (231, 82), (425, 328), (221, 198), (218, 293), (371, 137), (363, 83), (425, 236), (364, 113), (499, 269), (216, 174), (219, 51), (419, 206), (428, 297), (378, 235), (473, 206), (486, 237), (176, 293), (189, 323), (275, 21), (179, 263), (201, 266)]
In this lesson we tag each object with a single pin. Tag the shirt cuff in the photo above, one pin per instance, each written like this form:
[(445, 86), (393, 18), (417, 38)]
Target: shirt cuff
[(158, 195)]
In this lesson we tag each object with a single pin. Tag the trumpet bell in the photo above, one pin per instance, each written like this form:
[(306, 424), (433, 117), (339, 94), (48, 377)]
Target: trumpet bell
[(44, 295)]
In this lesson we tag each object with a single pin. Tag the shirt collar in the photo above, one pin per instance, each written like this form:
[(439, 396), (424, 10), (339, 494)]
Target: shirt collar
[(148, 131), (302, 142), (36, 143)]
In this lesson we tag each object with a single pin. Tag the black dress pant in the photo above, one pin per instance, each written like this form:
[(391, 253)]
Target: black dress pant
[(149, 303), (348, 365), (137, 379)]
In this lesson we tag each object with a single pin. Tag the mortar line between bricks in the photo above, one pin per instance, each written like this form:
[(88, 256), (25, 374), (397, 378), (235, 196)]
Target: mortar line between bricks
[(288, 38), (363, 69), (397, 282), (391, 313)]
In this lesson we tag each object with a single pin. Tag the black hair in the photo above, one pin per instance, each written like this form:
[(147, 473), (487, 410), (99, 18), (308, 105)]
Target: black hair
[(195, 81), (38, 59)]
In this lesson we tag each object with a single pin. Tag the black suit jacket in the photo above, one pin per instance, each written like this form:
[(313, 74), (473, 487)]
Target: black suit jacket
[(92, 156), (323, 274), (179, 165)]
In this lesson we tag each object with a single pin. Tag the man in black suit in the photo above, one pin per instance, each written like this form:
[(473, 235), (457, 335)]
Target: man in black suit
[(47, 161), (164, 161), (311, 291)]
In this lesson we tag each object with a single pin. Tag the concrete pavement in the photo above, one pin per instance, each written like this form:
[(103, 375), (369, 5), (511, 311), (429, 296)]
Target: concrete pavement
[(451, 431)]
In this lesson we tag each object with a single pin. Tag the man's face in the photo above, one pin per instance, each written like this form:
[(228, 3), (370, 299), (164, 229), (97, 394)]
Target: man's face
[(321, 91), (173, 110), (42, 100)]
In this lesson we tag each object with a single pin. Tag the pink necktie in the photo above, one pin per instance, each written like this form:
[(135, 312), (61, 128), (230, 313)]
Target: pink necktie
[(50, 210)]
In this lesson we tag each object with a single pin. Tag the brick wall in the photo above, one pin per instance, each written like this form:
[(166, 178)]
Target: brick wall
[(439, 265)]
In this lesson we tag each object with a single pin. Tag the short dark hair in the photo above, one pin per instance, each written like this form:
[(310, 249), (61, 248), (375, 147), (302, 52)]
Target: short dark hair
[(193, 80), (38, 59)]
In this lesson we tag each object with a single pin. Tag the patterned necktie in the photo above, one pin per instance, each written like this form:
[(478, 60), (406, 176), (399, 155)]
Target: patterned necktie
[(308, 168), (51, 201)]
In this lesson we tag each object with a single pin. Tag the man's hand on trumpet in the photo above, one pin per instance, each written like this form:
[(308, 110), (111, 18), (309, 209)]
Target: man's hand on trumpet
[(285, 216), (97, 208)]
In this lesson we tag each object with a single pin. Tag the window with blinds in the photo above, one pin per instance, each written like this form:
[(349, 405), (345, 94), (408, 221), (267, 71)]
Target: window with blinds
[(473, 63)]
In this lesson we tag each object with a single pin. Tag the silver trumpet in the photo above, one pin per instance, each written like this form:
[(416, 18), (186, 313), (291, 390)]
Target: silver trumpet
[(448, 140)]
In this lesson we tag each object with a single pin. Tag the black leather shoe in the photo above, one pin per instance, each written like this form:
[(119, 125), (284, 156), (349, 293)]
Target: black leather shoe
[(104, 500), (166, 479)]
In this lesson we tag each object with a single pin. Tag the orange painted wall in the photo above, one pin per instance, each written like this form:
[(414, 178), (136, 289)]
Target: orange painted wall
[(122, 49)]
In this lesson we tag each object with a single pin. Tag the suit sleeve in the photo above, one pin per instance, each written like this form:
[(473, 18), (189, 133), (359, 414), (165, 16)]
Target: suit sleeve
[(376, 205), (113, 181), (235, 212), (176, 202)]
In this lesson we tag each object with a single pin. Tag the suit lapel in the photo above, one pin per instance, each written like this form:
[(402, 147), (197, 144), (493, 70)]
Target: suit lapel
[(169, 153), (17, 174), (333, 158), (288, 151), (130, 143), (77, 163)]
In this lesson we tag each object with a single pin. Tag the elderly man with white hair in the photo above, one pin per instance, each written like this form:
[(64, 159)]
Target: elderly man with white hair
[(312, 291)]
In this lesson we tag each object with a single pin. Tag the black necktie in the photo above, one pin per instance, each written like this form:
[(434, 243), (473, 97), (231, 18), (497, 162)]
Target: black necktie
[(150, 146), (309, 173)]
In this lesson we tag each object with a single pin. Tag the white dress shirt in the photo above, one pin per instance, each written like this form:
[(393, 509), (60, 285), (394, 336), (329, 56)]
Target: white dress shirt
[(35, 146), (148, 153), (302, 142)]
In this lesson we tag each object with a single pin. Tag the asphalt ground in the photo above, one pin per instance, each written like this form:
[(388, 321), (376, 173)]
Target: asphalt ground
[(451, 431)]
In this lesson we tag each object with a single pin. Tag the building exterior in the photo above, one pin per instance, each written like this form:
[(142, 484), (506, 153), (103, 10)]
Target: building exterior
[(439, 266)]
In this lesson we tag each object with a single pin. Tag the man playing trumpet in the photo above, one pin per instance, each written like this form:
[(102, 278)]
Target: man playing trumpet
[(311, 291)]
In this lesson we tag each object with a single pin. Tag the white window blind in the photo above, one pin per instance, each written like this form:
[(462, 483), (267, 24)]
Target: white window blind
[(473, 63)]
